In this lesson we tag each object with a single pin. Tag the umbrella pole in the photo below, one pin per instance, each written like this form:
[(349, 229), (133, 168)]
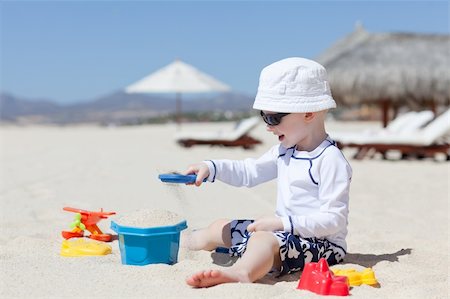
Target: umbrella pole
[(178, 109)]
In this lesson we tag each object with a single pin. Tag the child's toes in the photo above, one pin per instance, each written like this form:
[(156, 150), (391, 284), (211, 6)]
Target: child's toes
[(207, 274), (195, 279)]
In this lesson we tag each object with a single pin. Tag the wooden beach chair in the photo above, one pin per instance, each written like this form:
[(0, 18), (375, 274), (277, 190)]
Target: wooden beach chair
[(407, 122), (422, 142), (239, 136)]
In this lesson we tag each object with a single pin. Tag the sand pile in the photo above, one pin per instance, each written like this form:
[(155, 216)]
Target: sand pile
[(149, 218)]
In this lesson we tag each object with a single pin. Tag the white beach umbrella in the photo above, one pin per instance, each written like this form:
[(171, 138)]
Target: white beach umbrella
[(177, 77)]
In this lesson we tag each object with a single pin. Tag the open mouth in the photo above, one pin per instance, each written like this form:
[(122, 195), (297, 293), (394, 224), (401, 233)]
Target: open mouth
[(281, 137)]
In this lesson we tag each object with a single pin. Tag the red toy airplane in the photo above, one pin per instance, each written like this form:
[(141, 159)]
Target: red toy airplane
[(87, 220)]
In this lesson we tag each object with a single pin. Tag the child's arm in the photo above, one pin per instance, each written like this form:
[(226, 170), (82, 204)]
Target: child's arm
[(268, 223), (248, 172)]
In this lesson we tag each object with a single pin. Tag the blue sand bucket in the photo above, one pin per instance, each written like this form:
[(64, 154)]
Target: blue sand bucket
[(153, 245)]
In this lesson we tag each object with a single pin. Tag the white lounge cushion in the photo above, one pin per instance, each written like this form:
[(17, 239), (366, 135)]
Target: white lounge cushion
[(242, 128)]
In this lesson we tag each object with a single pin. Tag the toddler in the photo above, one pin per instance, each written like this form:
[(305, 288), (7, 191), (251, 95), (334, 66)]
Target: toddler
[(313, 179)]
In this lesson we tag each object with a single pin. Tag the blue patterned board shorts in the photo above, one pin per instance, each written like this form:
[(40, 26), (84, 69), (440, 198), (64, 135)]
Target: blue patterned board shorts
[(295, 251)]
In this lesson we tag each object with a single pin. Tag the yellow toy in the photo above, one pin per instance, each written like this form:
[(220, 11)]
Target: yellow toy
[(355, 278), (81, 247)]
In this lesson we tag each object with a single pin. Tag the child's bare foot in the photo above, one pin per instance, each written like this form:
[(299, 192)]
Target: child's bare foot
[(211, 278)]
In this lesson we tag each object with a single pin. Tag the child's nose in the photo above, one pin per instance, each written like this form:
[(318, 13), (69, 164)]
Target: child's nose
[(269, 128)]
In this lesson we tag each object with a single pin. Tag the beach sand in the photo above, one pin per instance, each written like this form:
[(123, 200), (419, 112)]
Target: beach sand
[(398, 223)]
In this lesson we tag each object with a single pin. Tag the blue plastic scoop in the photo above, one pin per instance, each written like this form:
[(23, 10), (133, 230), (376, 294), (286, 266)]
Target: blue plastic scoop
[(178, 178)]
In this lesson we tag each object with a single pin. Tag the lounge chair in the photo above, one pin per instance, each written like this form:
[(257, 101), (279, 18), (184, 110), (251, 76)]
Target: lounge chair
[(423, 142), (236, 137), (407, 122)]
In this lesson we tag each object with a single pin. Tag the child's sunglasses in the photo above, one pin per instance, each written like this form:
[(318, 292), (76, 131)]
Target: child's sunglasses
[(273, 119)]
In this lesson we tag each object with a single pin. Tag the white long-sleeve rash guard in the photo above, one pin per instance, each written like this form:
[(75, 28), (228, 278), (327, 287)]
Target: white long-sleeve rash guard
[(313, 187)]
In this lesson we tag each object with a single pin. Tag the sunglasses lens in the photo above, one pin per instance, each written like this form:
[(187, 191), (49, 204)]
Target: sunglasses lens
[(272, 119)]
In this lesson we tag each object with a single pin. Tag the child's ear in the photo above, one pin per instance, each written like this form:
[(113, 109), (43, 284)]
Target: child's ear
[(309, 116)]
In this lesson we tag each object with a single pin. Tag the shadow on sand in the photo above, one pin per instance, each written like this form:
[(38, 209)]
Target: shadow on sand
[(365, 260), (370, 260), (223, 259)]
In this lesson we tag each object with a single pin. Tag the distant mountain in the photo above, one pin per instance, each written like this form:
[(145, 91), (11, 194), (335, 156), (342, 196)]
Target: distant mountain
[(118, 107), (12, 108)]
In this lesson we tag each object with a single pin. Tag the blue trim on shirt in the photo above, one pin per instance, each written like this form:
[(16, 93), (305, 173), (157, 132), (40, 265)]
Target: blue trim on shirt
[(292, 147), (332, 143), (310, 174), (215, 170), (300, 158)]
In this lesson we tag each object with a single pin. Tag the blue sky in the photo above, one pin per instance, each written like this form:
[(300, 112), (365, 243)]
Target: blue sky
[(71, 51)]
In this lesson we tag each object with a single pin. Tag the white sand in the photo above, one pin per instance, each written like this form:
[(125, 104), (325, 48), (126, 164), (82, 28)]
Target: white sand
[(144, 218), (398, 223)]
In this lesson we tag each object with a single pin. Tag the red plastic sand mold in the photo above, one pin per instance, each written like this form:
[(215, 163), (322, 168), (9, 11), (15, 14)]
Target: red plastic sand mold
[(318, 278)]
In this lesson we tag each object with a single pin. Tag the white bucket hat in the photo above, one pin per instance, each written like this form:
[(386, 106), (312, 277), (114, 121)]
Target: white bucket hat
[(294, 85)]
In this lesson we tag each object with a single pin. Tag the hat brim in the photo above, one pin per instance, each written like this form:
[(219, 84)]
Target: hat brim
[(293, 105)]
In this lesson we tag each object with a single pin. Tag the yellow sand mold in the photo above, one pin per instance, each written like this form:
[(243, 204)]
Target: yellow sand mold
[(82, 247), (356, 278)]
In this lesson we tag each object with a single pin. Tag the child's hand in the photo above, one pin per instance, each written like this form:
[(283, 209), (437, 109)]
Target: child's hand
[(201, 170), (270, 224)]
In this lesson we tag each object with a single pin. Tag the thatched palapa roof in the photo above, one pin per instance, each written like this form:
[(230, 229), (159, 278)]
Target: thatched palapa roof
[(403, 68)]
